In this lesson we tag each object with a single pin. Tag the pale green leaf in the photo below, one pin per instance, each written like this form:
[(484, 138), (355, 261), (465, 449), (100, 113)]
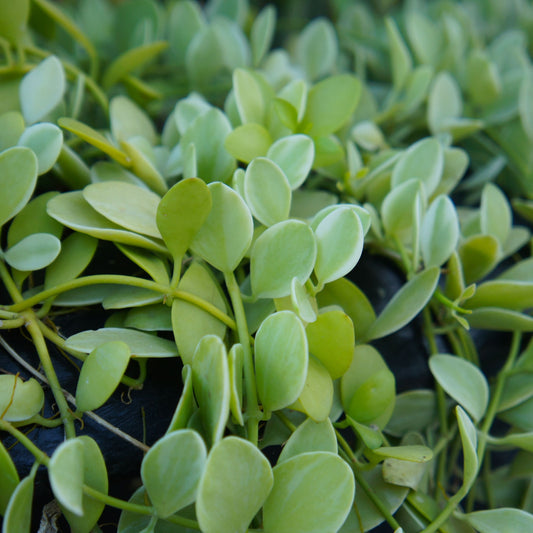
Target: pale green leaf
[(9, 479), (248, 141), (401, 61), (45, 140), (19, 400), (294, 154), (34, 252), (503, 520), (262, 33)]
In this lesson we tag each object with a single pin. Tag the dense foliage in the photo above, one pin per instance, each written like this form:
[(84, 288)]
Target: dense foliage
[(241, 161)]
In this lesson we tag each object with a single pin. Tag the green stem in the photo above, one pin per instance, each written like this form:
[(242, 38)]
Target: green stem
[(253, 413), (117, 279), (12, 324), (450, 304), (136, 508), (455, 500), (40, 456), (44, 356)]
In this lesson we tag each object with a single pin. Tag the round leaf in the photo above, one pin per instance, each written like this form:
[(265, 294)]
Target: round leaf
[(331, 339), (294, 155), (313, 493), (33, 252), (423, 160), (172, 469), (267, 191), (339, 239), (42, 89), (17, 518), (248, 141), (100, 374), (46, 141), (18, 175), (227, 232), (19, 400), (280, 380), (500, 520), (310, 436), (129, 120), (65, 472), (236, 482), (181, 213), (284, 251)]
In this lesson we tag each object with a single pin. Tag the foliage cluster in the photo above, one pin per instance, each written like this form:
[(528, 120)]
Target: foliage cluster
[(243, 183)]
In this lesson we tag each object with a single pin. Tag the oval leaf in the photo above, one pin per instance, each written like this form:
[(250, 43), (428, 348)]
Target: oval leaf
[(298, 504), (405, 304), (46, 141), (236, 482), (100, 374), (500, 520), (19, 400), (280, 380), (172, 469)]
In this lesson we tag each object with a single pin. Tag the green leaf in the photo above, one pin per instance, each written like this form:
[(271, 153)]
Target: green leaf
[(94, 138), (13, 20), (294, 154), (18, 175), (444, 103), (496, 215), (331, 339), (413, 453), (46, 141), (236, 483), (41, 89), (125, 296), (65, 471), (235, 365), (252, 95), (172, 469), (262, 33), (248, 141), (181, 213), (17, 518), (467, 431), (484, 84), (186, 404), (424, 36), (186, 19), (439, 233), (351, 299), (298, 504), (416, 91), (316, 398), (19, 400), (33, 217), (152, 264), (498, 319), (131, 60), (280, 381), (479, 254), (401, 61), (368, 388), (284, 251), (154, 317), (95, 476), (316, 48), (9, 479), (129, 120), (423, 160), (100, 374), (330, 103), (364, 515), (210, 379), (310, 436), (501, 520), (525, 107), (267, 191), (419, 401), (339, 238), (190, 322), (72, 210), (11, 128), (508, 294), (33, 252), (141, 344), (398, 207), (208, 133), (405, 304), (227, 232)]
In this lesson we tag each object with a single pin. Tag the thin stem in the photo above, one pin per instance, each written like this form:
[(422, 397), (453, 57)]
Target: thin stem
[(117, 279), (44, 356), (253, 413), (39, 455)]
